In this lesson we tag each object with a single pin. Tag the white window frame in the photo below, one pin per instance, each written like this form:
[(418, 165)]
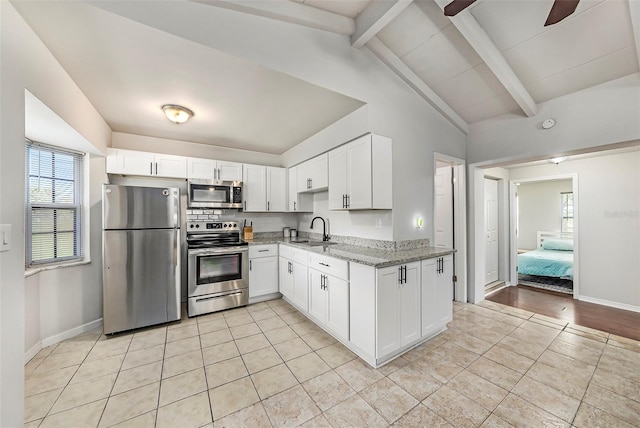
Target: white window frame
[(77, 206)]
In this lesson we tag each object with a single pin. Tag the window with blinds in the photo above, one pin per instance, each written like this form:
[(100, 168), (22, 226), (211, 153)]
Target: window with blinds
[(53, 204)]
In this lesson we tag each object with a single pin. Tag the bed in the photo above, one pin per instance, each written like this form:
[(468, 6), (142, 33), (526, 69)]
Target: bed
[(553, 257)]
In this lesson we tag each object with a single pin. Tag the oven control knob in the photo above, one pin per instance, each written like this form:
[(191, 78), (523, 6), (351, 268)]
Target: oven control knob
[(197, 226), (190, 226), (235, 225), (225, 225)]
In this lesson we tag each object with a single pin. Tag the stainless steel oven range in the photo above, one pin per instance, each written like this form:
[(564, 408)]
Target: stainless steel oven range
[(218, 267)]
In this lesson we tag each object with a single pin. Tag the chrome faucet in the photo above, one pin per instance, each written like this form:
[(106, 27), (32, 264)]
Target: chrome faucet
[(325, 237)]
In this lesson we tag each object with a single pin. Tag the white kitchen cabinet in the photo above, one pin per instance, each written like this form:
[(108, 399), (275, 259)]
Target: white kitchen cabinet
[(298, 202), (254, 187), (131, 162), (276, 189), (312, 175), (398, 317), (264, 188), (329, 294), (360, 174), (437, 294), (293, 276), (263, 270), (210, 169)]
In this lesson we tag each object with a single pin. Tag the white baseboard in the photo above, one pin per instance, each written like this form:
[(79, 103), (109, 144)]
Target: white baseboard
[(616, 305), (32, 352), (52, 340)]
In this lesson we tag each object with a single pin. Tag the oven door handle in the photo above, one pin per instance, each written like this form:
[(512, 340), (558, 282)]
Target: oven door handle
[(220, 250)]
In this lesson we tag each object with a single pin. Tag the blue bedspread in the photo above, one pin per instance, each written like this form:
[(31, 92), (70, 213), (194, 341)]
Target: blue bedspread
[(541, 262)]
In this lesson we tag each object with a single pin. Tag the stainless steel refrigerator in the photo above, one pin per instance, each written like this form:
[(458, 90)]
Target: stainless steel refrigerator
[(140, 256)]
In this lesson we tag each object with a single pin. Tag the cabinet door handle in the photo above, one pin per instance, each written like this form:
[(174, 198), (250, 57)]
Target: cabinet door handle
[(150, 168), (219, 174), (250, 264), (348, 201), (267, 205), (324, 264), (262, 251), (294, 205), (400, 274), (245, 204), (156, 168)]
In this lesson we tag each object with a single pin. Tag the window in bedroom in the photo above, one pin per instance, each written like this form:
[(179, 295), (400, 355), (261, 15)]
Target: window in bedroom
[(567, 212), (53, 209)]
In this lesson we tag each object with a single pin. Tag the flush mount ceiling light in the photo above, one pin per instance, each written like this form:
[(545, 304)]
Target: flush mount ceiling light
[(558, 160), (177, 114)]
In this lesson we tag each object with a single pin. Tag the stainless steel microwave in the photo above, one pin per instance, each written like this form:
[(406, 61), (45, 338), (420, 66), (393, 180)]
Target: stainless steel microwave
[(215, 194)]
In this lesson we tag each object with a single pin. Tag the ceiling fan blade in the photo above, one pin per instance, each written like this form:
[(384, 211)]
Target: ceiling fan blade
[(560, 10), (457, 6)]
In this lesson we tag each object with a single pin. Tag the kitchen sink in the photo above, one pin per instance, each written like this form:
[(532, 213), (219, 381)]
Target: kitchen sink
[(312, 243), (319, 243)]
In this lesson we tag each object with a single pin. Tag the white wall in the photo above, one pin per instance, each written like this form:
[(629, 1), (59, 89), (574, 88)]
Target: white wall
[(540, 209), (142, 143), (26, 64), (609, 225), (328, 60), (596, 117)]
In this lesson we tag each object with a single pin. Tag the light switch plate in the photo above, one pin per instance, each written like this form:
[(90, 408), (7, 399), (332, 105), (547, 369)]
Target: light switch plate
[(5, 237)]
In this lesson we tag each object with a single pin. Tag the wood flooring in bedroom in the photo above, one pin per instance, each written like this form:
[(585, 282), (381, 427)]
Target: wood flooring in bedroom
[(612, 320)]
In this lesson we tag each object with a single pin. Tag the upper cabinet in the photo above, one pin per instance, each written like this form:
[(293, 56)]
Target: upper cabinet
[(209, 169), (298, 202), (360, 174), (312, 175), (130, 162), (264, 188)]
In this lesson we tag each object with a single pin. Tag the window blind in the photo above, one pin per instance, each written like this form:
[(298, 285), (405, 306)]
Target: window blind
[(53, 185)]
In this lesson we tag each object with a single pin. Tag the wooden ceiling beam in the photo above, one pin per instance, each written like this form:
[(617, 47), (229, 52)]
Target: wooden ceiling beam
[(292, 12), (374, 18), (634, 8), (484, 46), (416, 83)]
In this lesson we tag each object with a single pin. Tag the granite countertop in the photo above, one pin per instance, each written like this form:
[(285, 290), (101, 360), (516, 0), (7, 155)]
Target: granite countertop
[(367, 256)]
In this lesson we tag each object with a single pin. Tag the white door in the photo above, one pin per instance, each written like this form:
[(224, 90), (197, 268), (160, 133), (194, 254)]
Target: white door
[(263, 276), (359, 181), (229, 171), (317, 296), (491, 229), (276, 189), (444, 205), (338, 306)]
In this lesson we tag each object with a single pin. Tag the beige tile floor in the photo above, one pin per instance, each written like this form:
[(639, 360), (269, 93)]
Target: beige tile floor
[(266, 365)]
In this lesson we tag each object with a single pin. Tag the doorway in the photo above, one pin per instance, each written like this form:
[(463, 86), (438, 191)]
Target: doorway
[(546, 209), (491, 231), (449, 220)]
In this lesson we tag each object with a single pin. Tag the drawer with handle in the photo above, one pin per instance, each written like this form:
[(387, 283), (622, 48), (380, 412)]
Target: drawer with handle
[(266, 250), (329, 265)]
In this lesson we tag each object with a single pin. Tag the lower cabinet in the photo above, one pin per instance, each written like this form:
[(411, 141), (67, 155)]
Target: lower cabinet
[(329, 302), (406, 303), (437, 294), (398, 309), (263, 270), (293, 276)]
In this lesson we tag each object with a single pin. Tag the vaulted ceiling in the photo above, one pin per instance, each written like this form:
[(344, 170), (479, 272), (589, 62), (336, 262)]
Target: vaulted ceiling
[(494, 58)]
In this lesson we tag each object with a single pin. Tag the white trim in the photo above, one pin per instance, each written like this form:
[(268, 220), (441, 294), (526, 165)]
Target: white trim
[(634, 8), (52, 340), (32, 352), (32, 271), (610, 303)]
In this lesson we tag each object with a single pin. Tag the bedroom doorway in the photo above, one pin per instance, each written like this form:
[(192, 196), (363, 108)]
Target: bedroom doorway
[(544, 246)]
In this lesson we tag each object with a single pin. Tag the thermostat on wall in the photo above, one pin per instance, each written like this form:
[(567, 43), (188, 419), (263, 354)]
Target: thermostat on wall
[(548, 123)]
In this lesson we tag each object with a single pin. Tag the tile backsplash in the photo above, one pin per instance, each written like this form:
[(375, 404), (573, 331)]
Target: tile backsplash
[(262, 222)]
